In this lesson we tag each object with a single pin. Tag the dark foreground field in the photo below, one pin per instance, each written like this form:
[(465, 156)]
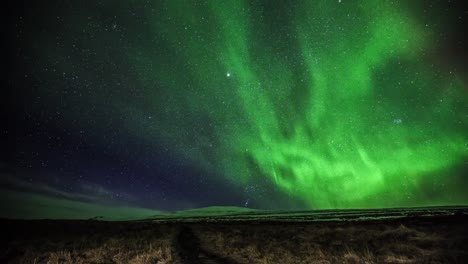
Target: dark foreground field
[(419, 236)]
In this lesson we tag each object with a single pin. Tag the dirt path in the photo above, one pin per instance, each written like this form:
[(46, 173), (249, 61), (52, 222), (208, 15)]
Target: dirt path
[(190, 250)]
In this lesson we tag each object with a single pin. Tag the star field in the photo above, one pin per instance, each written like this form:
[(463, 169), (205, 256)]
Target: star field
[(171, 105)]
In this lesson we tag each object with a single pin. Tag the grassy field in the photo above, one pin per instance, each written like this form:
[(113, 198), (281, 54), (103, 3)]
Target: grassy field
[(411, 239)]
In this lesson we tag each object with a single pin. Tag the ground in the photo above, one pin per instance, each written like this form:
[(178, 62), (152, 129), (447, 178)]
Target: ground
[(415, 236)]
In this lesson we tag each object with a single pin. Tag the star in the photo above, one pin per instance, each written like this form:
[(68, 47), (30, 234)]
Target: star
[(228, 74), (397, 121)]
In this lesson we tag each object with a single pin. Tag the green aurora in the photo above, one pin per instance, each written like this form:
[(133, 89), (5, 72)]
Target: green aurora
[(329, 104), (334, 103)]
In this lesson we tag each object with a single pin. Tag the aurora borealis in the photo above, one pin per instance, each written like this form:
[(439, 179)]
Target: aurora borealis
[(181, 104)]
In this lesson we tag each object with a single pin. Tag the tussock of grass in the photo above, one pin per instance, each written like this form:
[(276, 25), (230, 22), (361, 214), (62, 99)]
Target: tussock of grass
[(158, 251)]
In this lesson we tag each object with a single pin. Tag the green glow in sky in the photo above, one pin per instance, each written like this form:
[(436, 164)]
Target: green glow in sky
[(336, 104)]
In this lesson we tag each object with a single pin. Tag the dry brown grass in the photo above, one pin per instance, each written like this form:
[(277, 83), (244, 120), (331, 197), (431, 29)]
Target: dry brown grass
[(314, 243), (113, 251), (138, 243)]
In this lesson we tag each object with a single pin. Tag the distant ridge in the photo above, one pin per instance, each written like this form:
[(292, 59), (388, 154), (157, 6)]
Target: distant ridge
[(209, 211), (232, 213)]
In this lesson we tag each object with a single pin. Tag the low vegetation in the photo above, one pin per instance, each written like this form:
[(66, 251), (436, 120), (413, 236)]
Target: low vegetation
[(414, 240)]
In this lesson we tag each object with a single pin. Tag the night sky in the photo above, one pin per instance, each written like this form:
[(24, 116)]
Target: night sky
[(170, 105)]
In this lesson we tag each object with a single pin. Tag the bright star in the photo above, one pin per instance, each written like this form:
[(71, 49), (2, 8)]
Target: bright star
[(228, 74)]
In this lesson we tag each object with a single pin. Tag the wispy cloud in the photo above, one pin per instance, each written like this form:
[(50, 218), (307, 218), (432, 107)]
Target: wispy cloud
[(24, 199), (85, 192)]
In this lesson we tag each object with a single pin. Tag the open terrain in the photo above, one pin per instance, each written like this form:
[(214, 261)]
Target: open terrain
[(230, 235)]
